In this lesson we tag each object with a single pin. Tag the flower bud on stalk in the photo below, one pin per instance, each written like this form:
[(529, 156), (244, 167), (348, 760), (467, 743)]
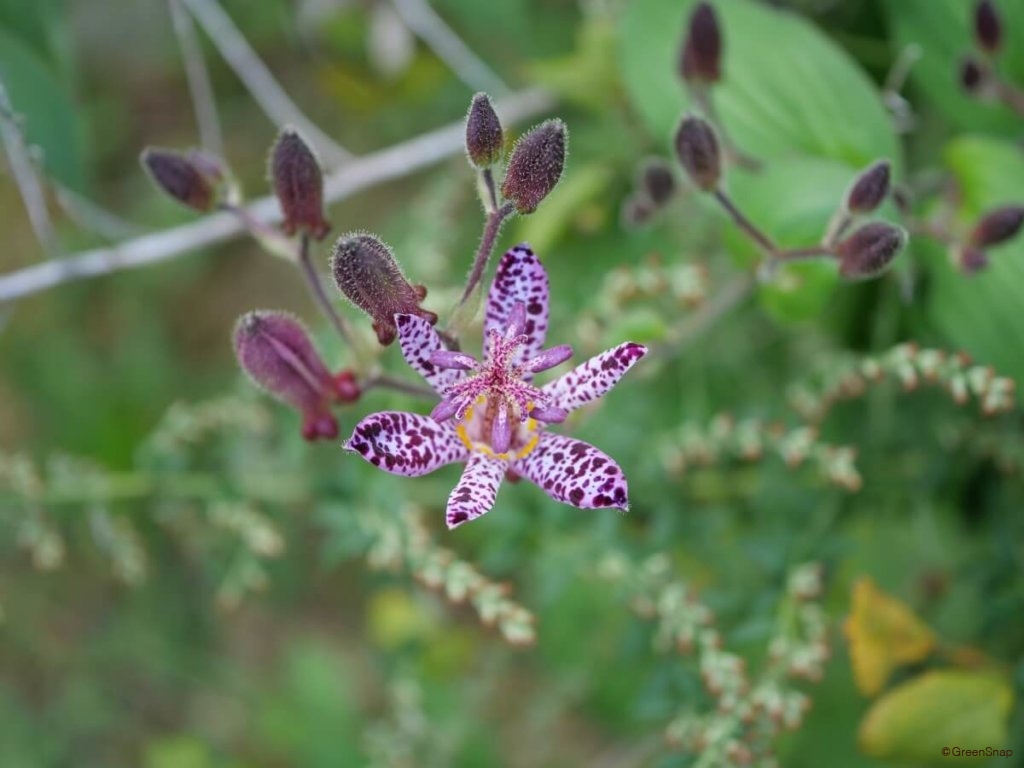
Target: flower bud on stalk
[(535, 166), (972, 75), (367, 273), (484, 137), (870, 188), (988, 27), (299, 185), (698, 152), (275, 350), (191, 178), (971, 260), (701, 59), (657, 182), (997, 226), (869, 250)]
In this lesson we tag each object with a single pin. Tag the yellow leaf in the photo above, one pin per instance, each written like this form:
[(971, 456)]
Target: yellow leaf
[(940, 710), (883, 633)]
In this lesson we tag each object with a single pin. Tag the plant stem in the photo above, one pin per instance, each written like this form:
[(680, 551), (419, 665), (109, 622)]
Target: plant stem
[(386, 381), (803, 254), (746, 225)]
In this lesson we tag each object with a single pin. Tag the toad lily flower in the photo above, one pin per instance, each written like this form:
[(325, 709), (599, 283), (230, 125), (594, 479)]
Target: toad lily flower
[(491, 416)]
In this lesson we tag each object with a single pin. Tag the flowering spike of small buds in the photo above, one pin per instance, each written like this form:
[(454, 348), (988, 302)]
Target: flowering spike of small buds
[(535, 166), (367, 273), (657, 181), (181, 177), (701, 60), (972, 75), (869, 250), (484, 137), (870, 188), (988, 28), (698, 152), (276, 352), (997, 226), (299, 185)]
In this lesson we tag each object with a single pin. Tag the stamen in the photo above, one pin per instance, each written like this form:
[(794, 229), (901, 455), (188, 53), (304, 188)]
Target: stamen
[(445, 409), (458, 361), (501, 430), (550, 414), (549, 358), (516, 320)]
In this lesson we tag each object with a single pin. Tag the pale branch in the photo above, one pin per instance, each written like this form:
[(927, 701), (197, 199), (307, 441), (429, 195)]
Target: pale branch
[(24, 173), (449, 47), (399, 160), (199, 85), (254, 74)]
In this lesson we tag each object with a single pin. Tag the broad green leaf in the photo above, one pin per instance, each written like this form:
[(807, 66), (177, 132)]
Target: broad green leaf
[(787, 89), (45, 105), (941, 29), (981, 314), (937, 710)]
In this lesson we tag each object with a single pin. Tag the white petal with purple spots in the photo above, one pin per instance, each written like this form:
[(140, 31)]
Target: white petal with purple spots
[(406, 443), (588, 381), (574, 472), (520, 277), (477, 490), (419, 340)]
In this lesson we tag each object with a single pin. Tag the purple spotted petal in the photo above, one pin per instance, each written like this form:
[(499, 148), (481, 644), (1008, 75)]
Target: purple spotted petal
[(419, 341), (405, 443), (574, 472), (477, 490), (520, 277), (588, 381)]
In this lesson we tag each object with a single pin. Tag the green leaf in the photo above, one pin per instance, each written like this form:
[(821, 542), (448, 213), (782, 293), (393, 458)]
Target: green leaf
[(942, 31), (49, 117), (787, 89), (981, 314), (937, 710)]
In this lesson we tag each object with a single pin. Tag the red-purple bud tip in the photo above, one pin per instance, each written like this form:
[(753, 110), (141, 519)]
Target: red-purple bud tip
[(484, 137), (276, 352), (870, 188), (299, 185), (698, 152), (535, 166), (701, 58), (988, 27), (997, 226), (367, 273), (971, 259), (657, 181), (185, 177), (972, 75), (869, 250)]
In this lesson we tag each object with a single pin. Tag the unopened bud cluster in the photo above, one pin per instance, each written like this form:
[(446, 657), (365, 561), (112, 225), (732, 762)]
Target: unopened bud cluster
[(654, 188), (994, 227), (977, 72)]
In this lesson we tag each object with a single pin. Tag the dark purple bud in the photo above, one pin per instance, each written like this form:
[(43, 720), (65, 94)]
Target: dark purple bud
[(869, 188), (988, 28), (972, 260), (365, 271), (657, 181), (484, 138), (535, 166), (181, 177), (636, 211), (275, 350), (997, 226), (701, 59), (299, 185), (698, 153), (869, 250), (972, 75)]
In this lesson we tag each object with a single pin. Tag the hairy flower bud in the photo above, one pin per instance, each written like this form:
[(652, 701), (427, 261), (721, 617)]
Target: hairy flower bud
[(869, 188), (484, 138), (367, 273), (535, 165), (972, 75), (276, 352), (299, 185), (698, 152), (988, 27), (997, 226), (869, 250), (657, 181), (185, 177), (701, 58)]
